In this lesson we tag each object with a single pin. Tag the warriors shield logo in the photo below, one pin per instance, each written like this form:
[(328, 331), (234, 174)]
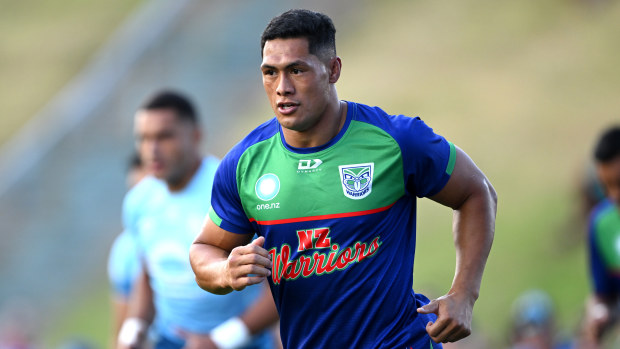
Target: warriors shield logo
[(356, 180)]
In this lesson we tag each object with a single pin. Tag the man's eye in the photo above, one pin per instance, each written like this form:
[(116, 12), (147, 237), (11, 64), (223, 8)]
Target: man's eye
[(296, 71), (269, 72)]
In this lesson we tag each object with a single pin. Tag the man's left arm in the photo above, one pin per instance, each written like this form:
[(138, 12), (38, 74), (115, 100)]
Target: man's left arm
[(474, 201)]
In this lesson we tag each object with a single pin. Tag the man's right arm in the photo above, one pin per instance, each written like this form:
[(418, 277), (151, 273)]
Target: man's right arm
[(225, 261)]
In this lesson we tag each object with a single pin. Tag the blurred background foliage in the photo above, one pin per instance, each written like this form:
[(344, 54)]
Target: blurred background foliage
[(43, 44)]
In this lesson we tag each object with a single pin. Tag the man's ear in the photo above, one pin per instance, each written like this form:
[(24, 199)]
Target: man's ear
[(335, 66)]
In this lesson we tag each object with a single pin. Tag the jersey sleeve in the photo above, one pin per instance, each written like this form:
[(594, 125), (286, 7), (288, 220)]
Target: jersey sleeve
[(428, 158), (124, 261), (123, 264), (226, 209)]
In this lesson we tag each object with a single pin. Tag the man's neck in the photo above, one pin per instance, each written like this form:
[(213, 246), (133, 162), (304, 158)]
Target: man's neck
[(329, 128), (184, 182)]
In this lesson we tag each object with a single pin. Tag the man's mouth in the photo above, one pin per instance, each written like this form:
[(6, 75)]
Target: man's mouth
[(287, 107)]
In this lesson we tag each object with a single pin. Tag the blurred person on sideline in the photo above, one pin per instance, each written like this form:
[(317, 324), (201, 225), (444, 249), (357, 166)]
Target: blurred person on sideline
[(591, 190), (330, 187), (124, 260), (164, 211), (19, 324), (603, 241), (473, 341), (534, 324)]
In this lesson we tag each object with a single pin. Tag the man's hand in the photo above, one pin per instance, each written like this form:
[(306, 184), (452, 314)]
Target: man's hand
[(454, 316), (248, 265), (198, 341), (225, 261), (596, 320)]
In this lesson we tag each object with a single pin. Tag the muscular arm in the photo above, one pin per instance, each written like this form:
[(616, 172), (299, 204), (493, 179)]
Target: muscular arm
[(224, 261), (474, 201)]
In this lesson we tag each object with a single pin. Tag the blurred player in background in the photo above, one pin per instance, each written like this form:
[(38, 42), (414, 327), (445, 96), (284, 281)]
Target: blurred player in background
[(164, 212), (330, 186), (534, 323), (123, 261), (604, 242)]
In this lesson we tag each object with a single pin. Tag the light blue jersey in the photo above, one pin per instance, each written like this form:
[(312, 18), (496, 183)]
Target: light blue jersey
[(165, 224), (123, 264)]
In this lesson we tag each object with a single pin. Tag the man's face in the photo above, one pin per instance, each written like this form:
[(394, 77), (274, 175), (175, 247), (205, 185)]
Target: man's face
[(297, 83), (609, 174), (165, 142)]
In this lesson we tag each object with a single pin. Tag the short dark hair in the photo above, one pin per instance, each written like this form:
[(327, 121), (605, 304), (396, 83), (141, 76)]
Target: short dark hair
[(608, 146), (169, 99), (316, 27)]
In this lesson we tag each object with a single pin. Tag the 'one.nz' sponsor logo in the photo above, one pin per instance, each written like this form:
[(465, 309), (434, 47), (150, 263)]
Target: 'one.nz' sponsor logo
[(356, 180)]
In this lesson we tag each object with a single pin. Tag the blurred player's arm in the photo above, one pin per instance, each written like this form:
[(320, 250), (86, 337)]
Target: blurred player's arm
[(597, 318), (140, 314), (224, 261), (263, 313), (119, 314), (237, 332), (474, 201), (601, 306)]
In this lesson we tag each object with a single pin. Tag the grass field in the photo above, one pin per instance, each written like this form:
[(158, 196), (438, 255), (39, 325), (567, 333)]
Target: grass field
[(524, 87)]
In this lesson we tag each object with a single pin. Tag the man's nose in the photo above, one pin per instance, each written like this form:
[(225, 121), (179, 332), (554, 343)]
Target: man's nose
[(285, 86)]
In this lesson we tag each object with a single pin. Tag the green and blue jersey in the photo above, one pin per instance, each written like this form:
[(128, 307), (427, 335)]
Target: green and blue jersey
[(604, 248), (339, 223)]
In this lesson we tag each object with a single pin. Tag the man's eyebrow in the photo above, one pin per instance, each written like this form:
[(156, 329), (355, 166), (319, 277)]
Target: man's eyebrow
[(288, 66)]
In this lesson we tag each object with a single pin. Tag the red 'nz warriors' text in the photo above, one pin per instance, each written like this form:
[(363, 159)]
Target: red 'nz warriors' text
[(318, 263)]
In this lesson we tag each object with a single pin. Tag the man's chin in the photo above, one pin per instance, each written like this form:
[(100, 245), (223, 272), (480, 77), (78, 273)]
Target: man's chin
[(159, 174)]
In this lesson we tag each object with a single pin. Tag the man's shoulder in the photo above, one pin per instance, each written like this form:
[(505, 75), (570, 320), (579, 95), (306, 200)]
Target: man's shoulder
[(210, 161), (605, 213), (148, 188), (410, 132), (379, 117), (208, 167), (604, 208)]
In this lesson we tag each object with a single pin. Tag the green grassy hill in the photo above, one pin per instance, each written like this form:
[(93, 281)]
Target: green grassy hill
[(524, 87)]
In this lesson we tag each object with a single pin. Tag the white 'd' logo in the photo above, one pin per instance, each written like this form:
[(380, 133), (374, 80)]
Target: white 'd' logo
[(308, 165)]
